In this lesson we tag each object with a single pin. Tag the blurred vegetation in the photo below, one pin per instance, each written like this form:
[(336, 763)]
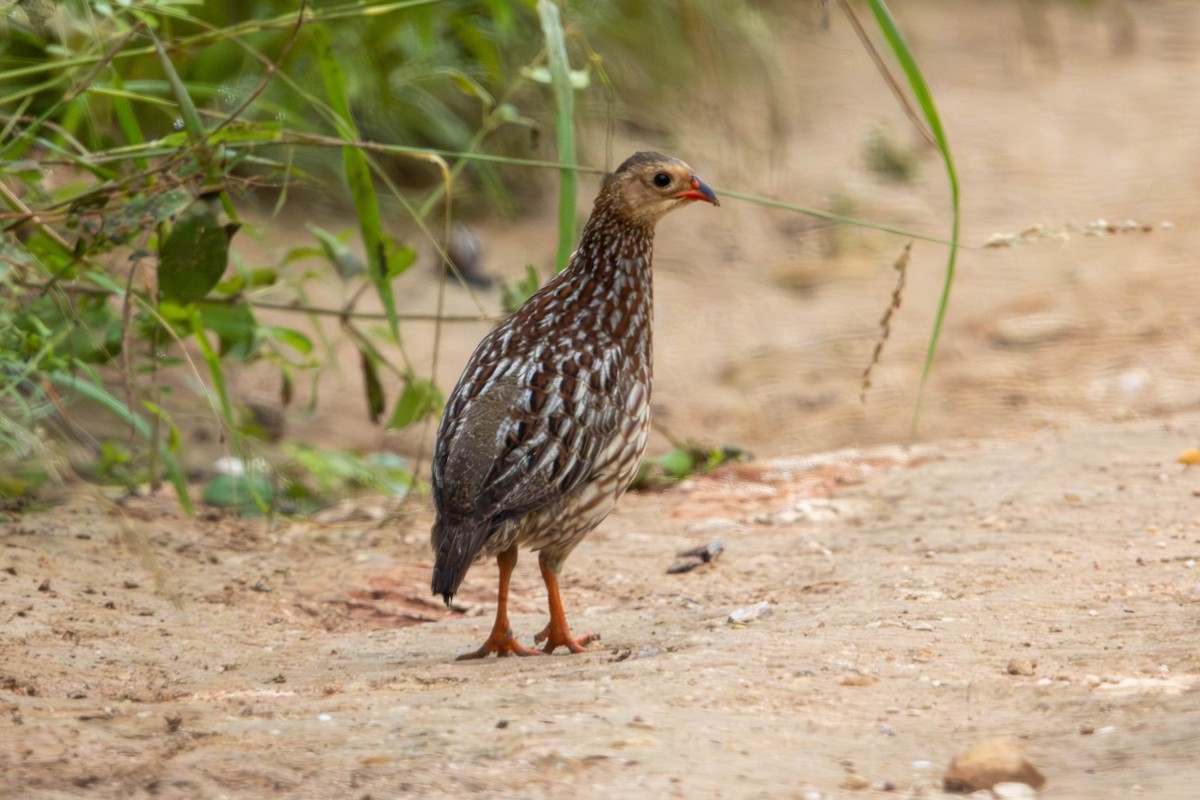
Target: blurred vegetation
[(142, 140), (889, 159), (135, 136)]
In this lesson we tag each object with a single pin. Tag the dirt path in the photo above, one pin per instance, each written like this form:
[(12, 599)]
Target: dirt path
[(900, 587), (308, 661)]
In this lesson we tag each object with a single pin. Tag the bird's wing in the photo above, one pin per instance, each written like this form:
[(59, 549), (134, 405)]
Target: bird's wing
[(534, 431)]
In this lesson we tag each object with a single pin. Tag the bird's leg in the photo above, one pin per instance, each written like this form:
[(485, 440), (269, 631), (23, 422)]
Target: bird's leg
[(501, 641), (557, 633)]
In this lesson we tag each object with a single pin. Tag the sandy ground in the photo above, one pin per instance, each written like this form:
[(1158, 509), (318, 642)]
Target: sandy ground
[(901, 585), (1040, 521)]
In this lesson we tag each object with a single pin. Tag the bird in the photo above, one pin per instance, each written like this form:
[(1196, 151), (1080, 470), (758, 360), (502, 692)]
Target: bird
[(548, 422)]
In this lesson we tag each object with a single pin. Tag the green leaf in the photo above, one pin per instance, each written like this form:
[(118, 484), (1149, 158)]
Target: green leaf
[(333, 246), (235, 326), (262, 276), (469, 86), (187, 108), (286, 387), (372, 387), (515, 293), (400, 257), (419, 399), (509, 113), (291, 337), (232, 285), (193, 256), (677, 463), (358, 175), (249, 494)]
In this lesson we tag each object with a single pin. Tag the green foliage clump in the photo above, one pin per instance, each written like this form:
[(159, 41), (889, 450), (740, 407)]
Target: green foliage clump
[(136, 136), (889, 159)]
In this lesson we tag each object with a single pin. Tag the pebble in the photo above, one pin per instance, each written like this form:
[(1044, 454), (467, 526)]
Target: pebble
[(854, 783), (813, 510), (857, 679), (1020, 666), (740, 616), (1014, 791), (1032, 329), (714, 526), (990, 762), (465, 251)]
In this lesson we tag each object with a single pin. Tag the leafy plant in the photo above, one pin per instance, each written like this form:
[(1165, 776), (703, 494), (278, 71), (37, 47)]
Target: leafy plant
[(685, 460), (515, 293), (142, 142)]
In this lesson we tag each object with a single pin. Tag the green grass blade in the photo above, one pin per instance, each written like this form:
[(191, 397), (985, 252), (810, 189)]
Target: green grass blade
[(99, 395), (187, 108), (213, 362), (924, 98), (857, 222), (128, 123), (564, 127), (358, 174)]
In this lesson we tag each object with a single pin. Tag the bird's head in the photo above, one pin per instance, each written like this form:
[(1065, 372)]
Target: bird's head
[(649, 185)]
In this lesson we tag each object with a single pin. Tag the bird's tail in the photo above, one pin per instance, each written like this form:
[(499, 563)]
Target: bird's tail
[(455, 545)]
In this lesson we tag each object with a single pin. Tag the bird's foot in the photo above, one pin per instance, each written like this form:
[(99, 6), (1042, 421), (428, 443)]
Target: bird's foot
[(555, 637), (503, 644)]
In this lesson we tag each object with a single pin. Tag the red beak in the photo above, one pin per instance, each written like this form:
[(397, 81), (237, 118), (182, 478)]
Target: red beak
[(699, 191)]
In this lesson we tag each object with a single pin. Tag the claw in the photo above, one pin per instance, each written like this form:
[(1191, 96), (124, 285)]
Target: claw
[(503, 645), (576, 644)]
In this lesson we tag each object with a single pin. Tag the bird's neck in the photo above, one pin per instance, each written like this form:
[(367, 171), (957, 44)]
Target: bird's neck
[(611, 268), (611, 290), (617, 252)]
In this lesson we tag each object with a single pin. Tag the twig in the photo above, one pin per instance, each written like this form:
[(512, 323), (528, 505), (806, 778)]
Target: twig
[(272, 67), (294, 307), (885, 324), (887, 75)]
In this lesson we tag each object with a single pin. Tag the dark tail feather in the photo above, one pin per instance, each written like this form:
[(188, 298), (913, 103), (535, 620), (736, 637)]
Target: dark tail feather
[(456, 545)]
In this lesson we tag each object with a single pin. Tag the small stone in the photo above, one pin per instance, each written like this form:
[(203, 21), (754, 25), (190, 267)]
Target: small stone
[(854, 783), (857, 679), (992, 761), (1010, 790), (740, 616), (1032, 329), (464, 250), (1020, 666)]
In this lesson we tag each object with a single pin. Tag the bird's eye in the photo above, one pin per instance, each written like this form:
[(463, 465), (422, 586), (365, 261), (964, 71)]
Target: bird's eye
[(662, 180)]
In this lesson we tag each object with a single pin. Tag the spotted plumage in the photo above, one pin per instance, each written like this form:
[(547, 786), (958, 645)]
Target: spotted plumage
[(547, 424)]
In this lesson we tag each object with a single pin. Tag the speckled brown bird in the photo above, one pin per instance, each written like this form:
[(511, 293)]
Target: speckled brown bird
[(547, 424)]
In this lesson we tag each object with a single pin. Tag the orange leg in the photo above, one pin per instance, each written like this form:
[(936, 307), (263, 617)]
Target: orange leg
[(501, 641), (557, 633)]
